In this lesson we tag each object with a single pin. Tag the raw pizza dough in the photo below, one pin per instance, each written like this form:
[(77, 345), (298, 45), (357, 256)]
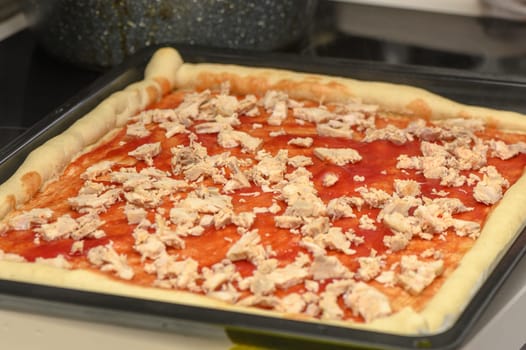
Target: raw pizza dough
[(165, 72)]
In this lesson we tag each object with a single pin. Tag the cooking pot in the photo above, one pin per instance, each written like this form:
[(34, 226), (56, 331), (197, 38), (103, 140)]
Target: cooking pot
[(101, 33)]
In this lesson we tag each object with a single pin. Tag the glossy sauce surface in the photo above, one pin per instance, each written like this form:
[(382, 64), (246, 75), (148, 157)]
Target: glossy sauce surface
[(378, 167)]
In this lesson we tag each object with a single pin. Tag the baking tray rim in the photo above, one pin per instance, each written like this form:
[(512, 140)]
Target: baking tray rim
[(130, 71)]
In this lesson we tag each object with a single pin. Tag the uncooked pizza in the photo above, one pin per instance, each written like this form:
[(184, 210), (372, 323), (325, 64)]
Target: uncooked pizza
[(311, 197)]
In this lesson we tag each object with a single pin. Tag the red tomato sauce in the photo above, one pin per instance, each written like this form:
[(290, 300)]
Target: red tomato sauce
[(378, 167)]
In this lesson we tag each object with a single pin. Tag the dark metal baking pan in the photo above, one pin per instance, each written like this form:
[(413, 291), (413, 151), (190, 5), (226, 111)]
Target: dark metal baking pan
[(248, 328)]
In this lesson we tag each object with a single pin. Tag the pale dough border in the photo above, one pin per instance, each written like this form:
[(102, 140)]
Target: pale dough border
[(48, 160), (165, 72)]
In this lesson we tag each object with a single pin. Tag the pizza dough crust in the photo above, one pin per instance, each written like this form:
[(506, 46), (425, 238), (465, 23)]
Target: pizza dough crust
[(47, 161), (395, 98), (165, 72)]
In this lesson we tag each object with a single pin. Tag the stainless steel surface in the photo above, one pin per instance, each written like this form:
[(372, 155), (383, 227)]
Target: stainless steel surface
[(513, 9), (12, 25), (427, 29), (9, 8)]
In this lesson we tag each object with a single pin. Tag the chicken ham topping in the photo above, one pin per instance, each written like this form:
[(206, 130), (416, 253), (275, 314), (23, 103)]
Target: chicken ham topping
[(301, 207)]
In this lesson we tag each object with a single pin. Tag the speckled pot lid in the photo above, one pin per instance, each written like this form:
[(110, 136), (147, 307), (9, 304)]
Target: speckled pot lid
[(102, 33)]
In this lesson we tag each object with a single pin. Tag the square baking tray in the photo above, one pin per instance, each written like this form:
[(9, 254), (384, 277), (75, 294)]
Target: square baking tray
[(244, 328)]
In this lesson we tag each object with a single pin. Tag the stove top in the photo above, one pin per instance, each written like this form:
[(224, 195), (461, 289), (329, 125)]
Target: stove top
[(33, 83)]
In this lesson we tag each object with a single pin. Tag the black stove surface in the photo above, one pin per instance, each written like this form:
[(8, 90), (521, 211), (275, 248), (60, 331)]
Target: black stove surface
[(33, 83)]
